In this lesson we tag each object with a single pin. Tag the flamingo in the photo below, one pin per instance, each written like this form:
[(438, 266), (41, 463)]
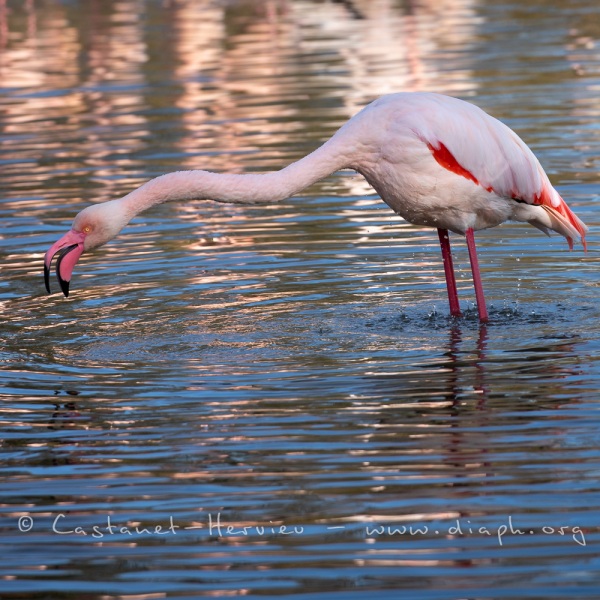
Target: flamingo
[(436, 160)]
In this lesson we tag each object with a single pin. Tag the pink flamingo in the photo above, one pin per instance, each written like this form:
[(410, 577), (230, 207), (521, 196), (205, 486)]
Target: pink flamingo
[(435, 160)]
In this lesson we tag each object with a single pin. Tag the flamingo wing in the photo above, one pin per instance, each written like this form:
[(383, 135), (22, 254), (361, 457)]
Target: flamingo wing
[(467, 141)]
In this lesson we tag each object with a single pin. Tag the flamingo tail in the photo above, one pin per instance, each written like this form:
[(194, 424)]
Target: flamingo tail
[(564, 221)]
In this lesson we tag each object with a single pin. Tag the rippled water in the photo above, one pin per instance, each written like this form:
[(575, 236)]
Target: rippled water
[(264, 401)]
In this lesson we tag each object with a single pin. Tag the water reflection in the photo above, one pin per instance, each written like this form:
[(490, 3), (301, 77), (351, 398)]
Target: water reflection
[(465, 374), (428, 446), (219, 76)]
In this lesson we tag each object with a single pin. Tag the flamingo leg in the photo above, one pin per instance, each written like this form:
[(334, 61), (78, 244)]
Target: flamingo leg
[(481, 307), (449, 272)]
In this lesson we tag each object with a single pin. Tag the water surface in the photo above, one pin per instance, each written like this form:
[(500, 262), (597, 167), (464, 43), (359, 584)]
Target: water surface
[(268, 401)]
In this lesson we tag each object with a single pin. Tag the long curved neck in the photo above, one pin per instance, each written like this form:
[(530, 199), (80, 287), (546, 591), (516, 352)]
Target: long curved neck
[(249, 188)]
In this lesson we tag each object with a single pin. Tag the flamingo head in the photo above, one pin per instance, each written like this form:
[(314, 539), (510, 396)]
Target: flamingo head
[(92, 227)]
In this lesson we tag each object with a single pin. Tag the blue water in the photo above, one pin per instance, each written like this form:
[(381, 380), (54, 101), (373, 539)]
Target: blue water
[(268, 401)]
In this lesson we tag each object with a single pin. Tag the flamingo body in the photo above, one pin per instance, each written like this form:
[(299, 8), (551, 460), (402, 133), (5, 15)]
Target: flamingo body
[(435, 160), (442, 162)]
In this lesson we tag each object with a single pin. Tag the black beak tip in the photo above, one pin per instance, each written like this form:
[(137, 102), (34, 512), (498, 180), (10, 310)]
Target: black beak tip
[(47, 278), (64, 286)]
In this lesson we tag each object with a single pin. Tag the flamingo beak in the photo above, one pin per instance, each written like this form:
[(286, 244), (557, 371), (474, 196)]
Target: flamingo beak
[(69, 249)]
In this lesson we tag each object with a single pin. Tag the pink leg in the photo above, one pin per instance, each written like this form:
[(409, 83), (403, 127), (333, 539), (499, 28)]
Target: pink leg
[(449, 272), (483, 314)]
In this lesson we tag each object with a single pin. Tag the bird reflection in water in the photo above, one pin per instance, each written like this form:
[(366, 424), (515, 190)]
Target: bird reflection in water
[(455, 366), (465, 374)]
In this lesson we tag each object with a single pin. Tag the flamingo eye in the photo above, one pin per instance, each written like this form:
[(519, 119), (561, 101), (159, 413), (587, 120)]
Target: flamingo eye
[(87, 229)]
